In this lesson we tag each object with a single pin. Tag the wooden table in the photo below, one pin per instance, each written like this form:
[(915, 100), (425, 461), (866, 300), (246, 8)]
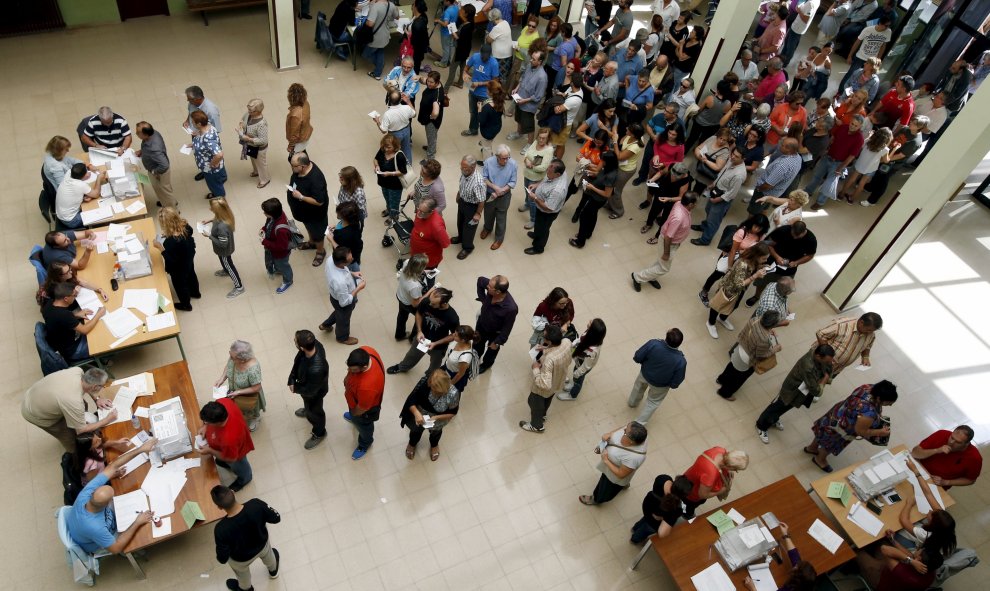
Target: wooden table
[(170, 381), (685, 551), (99, 271), (124, 215), (889, 515)]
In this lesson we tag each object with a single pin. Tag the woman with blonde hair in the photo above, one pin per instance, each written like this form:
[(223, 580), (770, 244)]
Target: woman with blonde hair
[(410, 292), (390, 164), (252, 132), (298, 128), (711, 475), (242, 374), (431, 405), (178, 250), (221, 235), (58, 163), (788, 209), (854, 105)]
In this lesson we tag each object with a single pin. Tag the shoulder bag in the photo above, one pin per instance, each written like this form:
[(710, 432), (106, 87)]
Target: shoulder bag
[(409, 178)]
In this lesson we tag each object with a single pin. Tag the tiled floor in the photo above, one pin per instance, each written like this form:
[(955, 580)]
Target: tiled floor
[(499, 509)]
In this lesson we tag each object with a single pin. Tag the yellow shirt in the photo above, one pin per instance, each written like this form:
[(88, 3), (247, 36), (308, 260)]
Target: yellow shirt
[(632, 163), (523, 43)]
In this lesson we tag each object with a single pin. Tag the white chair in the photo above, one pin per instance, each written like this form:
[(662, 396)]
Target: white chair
[(84, 566)]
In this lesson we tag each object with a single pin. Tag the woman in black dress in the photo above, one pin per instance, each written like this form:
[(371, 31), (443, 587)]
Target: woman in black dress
[(462, 49), (347, 232), (178, 250), (431, 405), (420, 33), (597, 191)]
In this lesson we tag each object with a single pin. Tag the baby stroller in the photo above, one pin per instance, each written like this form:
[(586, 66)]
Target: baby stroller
[(397, 233)]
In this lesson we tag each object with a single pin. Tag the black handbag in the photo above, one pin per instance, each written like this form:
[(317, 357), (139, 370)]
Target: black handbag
[(365, 35)]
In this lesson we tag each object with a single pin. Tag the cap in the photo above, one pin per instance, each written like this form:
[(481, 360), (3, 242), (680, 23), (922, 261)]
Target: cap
[(679, 169)]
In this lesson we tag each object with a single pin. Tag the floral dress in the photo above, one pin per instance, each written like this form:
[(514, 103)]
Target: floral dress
[(251, 405), (836, 428)]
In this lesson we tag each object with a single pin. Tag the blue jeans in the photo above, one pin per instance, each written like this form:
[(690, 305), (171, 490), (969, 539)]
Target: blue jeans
[(74, 224), (273, 265), (855, 65), (343, 50), (405, 138), (392, 199), (714, 214), (215, 180), (825, 168), (82, 350), (241, 469), (375, 55), (576, 385), (366, 429), (447, 42), (640, 531)]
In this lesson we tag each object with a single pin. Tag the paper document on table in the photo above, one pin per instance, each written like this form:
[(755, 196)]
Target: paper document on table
[(127, 506), (770, 519), (121, 340), (884, 470), (751, 535), (126, 257), (762, 577), (102, 248), (736, 516), (872, 475), (134, 246), (139, 438), (115, 169), (165, 529), (117, 207), (106, 190), (919, 497), (116, 231), (88, 299), (121, 322), (862, 517), (144, 300), (141, 411), (767, 535), (98, 157), (713, 578), (937, 495), (135, 207), (160, 321), (135, 463), (92, 216), (721, 521), (825, 536), (122, 402), (142, 383), (191, 513)]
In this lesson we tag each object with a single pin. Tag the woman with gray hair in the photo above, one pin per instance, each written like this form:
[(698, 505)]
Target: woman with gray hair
[(500, 38), (757, 345), (252, 133), (712, 475), (242, 376)]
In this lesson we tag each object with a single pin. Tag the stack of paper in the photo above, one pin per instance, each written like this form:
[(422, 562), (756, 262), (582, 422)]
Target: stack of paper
[(713, 578), (163, 485), (142, 383), (143, 300), (135, 207), (751, 535), (866, 520), (839, 490), (122, 402), (115, 169), (88, 299), (762, 577), (134, 246), (160, 321), (104, 212), (721, 521), (117, 231), (121, 322), (825, 536), (127, 506)]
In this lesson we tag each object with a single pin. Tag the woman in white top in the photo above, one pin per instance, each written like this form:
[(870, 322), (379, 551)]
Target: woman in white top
[(877, 146), (500, 38), (461, 360), (410, 291), (654, 40), (712, 157), (585, 355), (58, 163), (788, 210)]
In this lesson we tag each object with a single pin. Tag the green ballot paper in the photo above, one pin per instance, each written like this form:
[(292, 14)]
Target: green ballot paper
[(142, 178), (721, 521), (191, 512), (838, 490)]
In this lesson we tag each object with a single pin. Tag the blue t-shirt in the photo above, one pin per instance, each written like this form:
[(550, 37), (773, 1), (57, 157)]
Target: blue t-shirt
[(449, 16), (92, 531), (637, 96), (66, 255), (482, 71), (567, 49)]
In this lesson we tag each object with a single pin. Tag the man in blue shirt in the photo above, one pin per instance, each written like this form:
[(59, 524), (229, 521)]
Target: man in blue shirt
[(447, 41), (500, 172), (478, 70), (91, 521), (629, 63), (662, 367)]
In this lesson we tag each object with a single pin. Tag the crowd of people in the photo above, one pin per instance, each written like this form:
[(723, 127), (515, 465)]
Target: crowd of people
[(632, 106)]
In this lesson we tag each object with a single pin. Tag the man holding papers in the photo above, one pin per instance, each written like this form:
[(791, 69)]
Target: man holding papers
[(71, 194), (67, 325), (57, 403), (92, 523)]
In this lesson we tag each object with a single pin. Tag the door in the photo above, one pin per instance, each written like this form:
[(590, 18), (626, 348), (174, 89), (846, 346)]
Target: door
[(138, 8)]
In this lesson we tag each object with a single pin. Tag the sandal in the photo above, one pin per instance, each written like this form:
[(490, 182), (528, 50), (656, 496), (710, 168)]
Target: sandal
[(614, 216), (410, 452), (653, 240), (265, 184), (808, 451), (306, 246), (320, 257), (646, 229), (434, 454), (587, 500), (253, 174), (826, 468)]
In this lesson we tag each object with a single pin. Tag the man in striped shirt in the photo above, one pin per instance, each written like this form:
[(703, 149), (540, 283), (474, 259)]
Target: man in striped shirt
[(850, 338), (777, 176), (107, 129)]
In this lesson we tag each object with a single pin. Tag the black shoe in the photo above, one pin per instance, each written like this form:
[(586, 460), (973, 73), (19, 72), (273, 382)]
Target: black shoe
[(158, 203), (636, 284), (696, 227), (196, 296), (455, 240), (483, 368), (655, 284), (574, 219), (394, 370), (644, 205), (638, 182), (199, 176), (300, 412), (273, 574), (184, 307), (400, 337), (698, 242), (575, 243), (232, 585), (532, 250), (531, 234), (752, 301), (306, 17)]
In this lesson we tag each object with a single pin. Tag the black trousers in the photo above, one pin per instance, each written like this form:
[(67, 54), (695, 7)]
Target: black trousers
[(644, 166), (315, 414), (340, 319), (659, 212), (402, 318), (732, 379), (416, 433), (878, 185), (465, 230), (587, 213), (541, 229), (185, 283), (715, 276), (772, 413), (606, 490), (481, 348), (538, 407)]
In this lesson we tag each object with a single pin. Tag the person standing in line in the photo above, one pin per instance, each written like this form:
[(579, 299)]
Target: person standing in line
[(197, 101), (597, 192), (344, 286), (550, 370), (431, 405), (275, 236), (500, 173), (154, 158), (470, 204), (390, 164), (447, 40), (252, 132), (241, 536), (298, 128), (802, 22), (429, 233), (530, 91), (431, 113), (478, 70), (397, 121), (228, 439), (662, 367), (436, 322), (498, 314), (622, 452), (851, 338), (208, 154), (802, 387), (221, 236), (310, 379), (462, 48), (410, 291), (721, 193), (674, 231), (757, 343), (309, 202), (178, 251), (380, 14), (546, 199), (364, 387)]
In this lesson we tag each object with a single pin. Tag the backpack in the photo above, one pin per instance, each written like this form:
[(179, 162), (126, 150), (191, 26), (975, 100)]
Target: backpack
[(71, 479), (547, 116), (725, 242), (296, 238)]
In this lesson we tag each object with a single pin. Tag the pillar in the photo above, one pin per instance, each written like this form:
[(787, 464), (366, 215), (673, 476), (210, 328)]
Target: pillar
[(729, 29), (282, 31), (570, 12), (908, 212)]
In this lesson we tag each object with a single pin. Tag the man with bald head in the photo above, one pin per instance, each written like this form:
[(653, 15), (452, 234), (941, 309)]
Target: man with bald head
[(498, 314), (777, 176), (92, 523)]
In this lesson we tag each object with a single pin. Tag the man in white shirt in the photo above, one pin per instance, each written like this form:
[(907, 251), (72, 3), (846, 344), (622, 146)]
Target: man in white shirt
[(746, 69), (872, 42), (72, 193), (344, 286), (668, 10), (397, 121), (802, 22), (573, 98)]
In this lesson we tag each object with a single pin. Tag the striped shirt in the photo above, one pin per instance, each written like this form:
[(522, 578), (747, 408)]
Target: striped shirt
[(771, 299), (849, 343), (779, 174), (471, 188), (108, 136)]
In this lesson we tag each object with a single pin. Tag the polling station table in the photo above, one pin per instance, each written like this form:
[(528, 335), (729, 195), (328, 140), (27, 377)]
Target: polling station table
[(687, 551), (169, 381), (109, 208)]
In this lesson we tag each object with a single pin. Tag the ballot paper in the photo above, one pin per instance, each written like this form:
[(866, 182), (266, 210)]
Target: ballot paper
[(121, 322), (220, 391), (825, 536), (751, 535), (402, 23), (452, 28), (117, 207), (721, 521), (100, 157), (160, 321), (122, 403), (872, 475), (919, 497), (102, 248), (134, 246), (516, 97), (862, 367), (736, 516), (374, 114), (142, 383), (106, 190), (136, 462), (125, 257), (652, 185), (839, 491), (143, 300), (762, 577), (104, 212), (884, 470), (865, 519), (191, 513), (163, 485), (115, 169), (127, 506), (116, 231), (89, 299), (204, 228), (713, 578), (185, 149), (141, 411), (135, 207), (424, 345), (770, 519), (163, 529), (767, 535)]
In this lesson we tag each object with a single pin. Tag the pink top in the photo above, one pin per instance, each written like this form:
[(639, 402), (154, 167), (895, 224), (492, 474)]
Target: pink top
[(764, 92), (744, 241), (668, 154), (678, 224)]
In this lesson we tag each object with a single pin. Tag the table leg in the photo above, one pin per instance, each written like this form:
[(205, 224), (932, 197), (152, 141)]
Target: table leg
[(182, 351), (137, 568), (639, 557), (353, 46), (206, 21)]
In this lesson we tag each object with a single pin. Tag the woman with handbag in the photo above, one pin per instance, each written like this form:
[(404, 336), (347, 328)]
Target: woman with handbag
[(557, 309), (589, 160), (431, 405), (750, 266), (432, 103), (755, 351), (390, 166), (585, 355), (711, 475), (252, 134), (622, 452), (858, 416), (749, 233), (712, 155)]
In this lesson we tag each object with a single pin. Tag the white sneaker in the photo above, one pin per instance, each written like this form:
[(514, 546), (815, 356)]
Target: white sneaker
[(522, 152), (513, 136), (565, 396), (779, 426), (712, 330), (235, 292), (764, 436), (528, 225), (865, 203), (725, 322)]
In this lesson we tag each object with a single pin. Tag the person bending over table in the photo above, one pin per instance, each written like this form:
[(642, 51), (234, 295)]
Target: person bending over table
[(227, 439), (712, 475), (950, 457), (802, 575), (91, 521), (662, 508)]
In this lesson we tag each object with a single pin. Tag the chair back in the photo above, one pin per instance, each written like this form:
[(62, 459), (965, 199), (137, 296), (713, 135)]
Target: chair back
[(51, 360), (324, 40), (961, 559), (71, 546), (71, 479), (80, 131), (39, 266), (84, 566)]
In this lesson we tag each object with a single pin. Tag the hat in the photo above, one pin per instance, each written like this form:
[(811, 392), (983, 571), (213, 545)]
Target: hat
[(679, 169)]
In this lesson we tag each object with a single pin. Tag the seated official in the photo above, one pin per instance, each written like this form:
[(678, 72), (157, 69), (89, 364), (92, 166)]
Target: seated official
[(107, 130), (66, 324), (62, 272), (950, 457), (71, 194), (58, 163), (936, 530), (802, 574), (91, 521), (60, 247)]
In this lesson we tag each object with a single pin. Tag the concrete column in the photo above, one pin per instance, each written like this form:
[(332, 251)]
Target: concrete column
[(282, 31), (908, 212), (726, 35), (570, 12)]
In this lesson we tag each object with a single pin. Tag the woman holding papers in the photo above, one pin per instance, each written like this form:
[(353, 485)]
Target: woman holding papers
[(430, 406), (803, 574), (91, 459), (242, 374), (178, 249), (856, 416), (937, 529), (208, 154), (895, 568)]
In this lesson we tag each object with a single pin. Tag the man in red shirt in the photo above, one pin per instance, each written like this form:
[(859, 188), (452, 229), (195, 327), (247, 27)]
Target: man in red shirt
[(898, 104), (774, 78), (228, 439), (429, 234), (364, 386), (950, 457), (843, 148)]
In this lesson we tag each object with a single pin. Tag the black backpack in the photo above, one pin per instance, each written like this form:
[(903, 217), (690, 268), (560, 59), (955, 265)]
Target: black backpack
[(725, 242), (548, 116), (71, 479)]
